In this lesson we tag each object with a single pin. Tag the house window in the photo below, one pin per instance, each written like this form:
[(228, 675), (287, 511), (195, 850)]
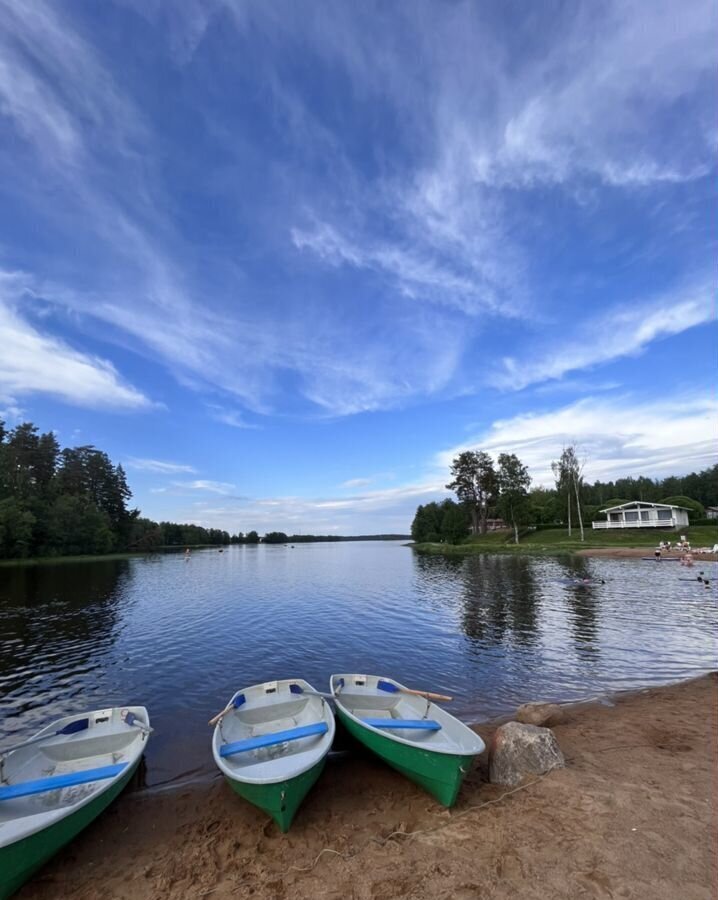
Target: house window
[(665, 514), (615, 517), (632, 516), (645, 515)]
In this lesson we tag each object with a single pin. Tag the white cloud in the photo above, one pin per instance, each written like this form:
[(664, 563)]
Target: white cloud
[(203, 484), (475, 126), (619, 436), (594, 97), (55, 90), (158, 465), (35, 363), (356, 482), (619, 332), (231, 417), (389, 511)]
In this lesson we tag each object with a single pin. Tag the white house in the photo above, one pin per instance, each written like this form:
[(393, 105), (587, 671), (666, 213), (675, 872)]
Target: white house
[(638, 514), (712, 512)]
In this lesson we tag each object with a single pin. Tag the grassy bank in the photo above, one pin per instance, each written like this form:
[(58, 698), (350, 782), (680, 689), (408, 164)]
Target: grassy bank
[(556, 540)]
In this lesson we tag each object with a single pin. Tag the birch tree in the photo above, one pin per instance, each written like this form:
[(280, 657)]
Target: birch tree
[(568, 472)]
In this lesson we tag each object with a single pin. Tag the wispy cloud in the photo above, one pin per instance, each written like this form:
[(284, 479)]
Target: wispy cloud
[(369, 512), (203, 484), (232, 417), (625, 331), (411, 213), (158, 465), (356, 482), (619, 436), (32, 362)]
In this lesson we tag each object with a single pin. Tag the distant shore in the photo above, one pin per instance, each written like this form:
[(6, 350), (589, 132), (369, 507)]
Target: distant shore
[(632, 815), (105, 557), (179, 548)]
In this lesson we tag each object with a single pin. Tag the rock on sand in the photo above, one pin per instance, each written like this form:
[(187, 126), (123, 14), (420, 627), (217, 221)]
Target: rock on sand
[(518, 750)]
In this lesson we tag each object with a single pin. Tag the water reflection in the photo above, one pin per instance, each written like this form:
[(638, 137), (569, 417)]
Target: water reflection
[(178, 637), (583, 602), (57, 623), (500, 600)]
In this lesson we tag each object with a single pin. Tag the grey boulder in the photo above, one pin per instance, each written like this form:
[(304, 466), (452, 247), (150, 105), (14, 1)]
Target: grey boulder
[(518, 750)]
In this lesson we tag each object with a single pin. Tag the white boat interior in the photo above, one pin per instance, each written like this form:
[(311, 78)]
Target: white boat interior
[(275, 731), (65, 766), (381, 704)]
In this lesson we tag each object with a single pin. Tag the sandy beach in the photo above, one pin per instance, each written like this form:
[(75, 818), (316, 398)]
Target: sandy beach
[(633, 816), (640, 552)]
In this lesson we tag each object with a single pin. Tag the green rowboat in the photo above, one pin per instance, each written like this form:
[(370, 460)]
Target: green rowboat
[(56, 783), (411, 734), (272, 745)]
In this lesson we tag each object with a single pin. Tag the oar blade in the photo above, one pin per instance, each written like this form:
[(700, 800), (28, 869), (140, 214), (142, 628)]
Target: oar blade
[(74, 727)]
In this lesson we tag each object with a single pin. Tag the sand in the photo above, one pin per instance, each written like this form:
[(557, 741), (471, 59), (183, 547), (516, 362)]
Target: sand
[(632, 816), (640, 552)]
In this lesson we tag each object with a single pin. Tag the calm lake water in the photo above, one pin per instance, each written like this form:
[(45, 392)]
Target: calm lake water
[(181, 636)]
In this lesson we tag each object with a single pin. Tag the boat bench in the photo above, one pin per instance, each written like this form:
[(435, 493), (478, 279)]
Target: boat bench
[(56, 782), (419, 724), (275, 737)]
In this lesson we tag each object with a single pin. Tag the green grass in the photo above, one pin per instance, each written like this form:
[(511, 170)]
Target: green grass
[(556, 540)]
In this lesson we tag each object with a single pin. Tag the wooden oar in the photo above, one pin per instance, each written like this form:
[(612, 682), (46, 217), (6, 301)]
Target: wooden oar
[(394, 689), (215, 719), (442, 698)]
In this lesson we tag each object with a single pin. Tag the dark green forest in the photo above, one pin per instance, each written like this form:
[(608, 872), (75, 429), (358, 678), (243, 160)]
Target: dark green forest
[(72, 501)]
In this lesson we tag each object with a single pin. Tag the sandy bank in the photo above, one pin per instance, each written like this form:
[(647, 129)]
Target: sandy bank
[(628, 552), (633, 816)]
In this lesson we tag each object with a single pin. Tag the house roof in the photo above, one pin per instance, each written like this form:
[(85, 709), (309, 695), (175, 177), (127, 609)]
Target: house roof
[(641, 504)]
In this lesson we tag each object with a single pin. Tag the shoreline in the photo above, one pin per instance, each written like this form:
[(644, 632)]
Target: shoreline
[(630, 816), (641, 552), (167, 550)]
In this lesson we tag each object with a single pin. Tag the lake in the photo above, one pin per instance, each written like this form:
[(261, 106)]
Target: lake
[(180, 636)]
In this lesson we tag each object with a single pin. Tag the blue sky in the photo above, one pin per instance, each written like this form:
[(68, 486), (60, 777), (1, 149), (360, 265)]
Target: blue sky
[(283, 260)]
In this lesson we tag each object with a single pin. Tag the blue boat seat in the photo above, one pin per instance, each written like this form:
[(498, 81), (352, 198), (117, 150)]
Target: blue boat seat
[(275, 737), (419, 724), (55, 782)]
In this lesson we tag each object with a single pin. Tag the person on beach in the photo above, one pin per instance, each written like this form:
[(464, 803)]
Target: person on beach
[(657, 553)]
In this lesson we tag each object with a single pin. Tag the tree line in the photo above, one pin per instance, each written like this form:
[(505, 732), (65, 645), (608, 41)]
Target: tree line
[(279, 537), (487, 490), (73, 501)]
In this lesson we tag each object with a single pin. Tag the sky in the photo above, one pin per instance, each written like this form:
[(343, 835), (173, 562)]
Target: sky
[(284, 260)]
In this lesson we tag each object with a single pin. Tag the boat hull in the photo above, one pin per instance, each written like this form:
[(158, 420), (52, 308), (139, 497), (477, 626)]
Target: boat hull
[(21, 859), (279, 799), (441, 774)]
